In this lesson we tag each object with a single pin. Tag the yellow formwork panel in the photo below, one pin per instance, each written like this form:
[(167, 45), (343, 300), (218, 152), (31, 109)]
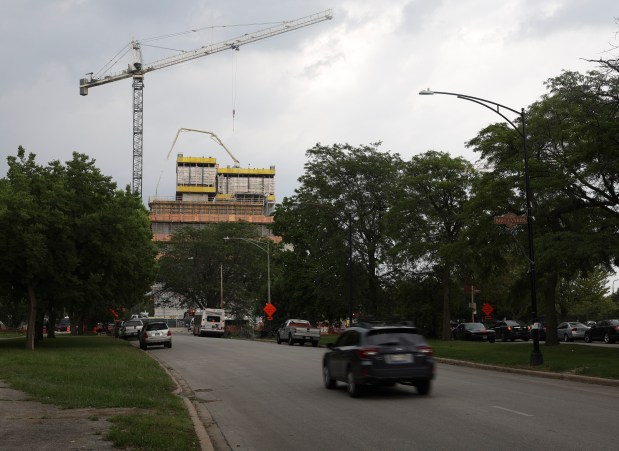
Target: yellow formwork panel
[(195, 189), (197, 160), (245, 171)]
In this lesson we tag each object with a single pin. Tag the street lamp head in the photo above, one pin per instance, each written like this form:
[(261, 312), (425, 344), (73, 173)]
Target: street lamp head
[(426, 92), (226, 238)]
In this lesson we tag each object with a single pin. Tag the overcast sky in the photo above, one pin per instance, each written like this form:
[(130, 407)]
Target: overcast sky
[(354, 79)]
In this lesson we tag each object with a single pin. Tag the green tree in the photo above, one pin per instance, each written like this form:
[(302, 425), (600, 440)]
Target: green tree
[(195, 263), (572, 142), (341, 204), (24, 255), (584, 298), (69, 241), (427, 220)]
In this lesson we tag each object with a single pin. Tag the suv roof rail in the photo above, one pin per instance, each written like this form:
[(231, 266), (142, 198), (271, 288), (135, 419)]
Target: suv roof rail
[(370, 323)]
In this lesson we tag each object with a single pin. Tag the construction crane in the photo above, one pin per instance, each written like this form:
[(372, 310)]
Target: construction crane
[(137, 69), (213, 136)]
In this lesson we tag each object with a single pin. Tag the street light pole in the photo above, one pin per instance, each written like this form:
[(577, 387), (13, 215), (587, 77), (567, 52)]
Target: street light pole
[(350, 312), (265, 249), (536, 355)]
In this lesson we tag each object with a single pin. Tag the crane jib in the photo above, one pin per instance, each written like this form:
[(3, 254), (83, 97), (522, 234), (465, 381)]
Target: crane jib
[(233, 43)]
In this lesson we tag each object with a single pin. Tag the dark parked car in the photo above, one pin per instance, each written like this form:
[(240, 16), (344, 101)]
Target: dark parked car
[(571, 331), (64, 325), (473, 331), (379, 354), (512, 330), (155, 333), (606, 330)]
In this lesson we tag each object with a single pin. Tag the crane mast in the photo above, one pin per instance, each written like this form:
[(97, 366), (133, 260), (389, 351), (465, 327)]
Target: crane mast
[(137, 69)]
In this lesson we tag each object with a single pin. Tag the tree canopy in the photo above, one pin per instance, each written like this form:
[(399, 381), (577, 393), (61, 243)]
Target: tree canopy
[(70, 242)]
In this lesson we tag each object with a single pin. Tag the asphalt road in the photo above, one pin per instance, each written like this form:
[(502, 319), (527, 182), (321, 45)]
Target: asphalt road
[(264, 396)]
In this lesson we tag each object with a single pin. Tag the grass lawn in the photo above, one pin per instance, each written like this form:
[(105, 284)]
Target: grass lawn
[(103, 372), (594, 361)]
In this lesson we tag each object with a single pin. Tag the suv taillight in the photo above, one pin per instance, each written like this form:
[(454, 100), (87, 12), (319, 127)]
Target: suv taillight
[(425, 350), (169, 333), (616, 328), (367, 353)]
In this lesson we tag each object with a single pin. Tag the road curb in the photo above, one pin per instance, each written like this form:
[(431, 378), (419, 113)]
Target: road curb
[(544, 374), (183, 390)]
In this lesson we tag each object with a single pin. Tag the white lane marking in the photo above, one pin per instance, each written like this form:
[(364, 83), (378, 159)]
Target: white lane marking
[(513, 411)]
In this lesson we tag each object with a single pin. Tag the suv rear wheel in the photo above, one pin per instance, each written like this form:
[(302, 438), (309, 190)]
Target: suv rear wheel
[(326, 376), (423, 388), (354, 389)]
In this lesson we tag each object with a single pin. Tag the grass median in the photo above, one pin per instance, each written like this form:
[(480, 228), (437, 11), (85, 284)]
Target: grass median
[(103, 372), (572, 358)]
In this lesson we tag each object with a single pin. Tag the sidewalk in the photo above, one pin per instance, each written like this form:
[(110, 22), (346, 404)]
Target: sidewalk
[(30, 425)]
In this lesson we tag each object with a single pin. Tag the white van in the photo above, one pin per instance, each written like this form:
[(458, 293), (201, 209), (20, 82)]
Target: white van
[(209, 322)]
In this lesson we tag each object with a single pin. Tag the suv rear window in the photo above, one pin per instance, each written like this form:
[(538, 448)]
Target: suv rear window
[(399, 336), (156, 326)]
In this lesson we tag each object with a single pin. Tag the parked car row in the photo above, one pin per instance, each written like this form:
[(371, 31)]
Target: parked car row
[(148, 331), (567, 331)]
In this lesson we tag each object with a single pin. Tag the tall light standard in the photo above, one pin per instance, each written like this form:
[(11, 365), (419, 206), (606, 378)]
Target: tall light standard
[(259, 245), (536, 355)]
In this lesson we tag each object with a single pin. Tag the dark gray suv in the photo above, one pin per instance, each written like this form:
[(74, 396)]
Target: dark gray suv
[(379, 353)]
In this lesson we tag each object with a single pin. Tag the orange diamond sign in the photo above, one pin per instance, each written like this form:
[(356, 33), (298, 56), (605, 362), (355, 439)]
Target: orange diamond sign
[(269, 309), (487, 309)]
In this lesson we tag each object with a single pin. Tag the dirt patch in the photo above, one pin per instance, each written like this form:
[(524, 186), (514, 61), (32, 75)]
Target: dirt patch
[(31, 425)]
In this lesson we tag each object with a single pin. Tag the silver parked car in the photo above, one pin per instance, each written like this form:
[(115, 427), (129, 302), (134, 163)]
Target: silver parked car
[(131, 329), (155, 333), (571, 331)]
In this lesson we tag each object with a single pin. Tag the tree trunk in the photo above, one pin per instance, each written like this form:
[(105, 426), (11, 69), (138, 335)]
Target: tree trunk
[(32, 319), (550, 294), (446, 310), (51, 324)]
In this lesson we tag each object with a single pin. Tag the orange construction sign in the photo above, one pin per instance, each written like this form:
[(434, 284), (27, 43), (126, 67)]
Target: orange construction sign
[(269, 309)]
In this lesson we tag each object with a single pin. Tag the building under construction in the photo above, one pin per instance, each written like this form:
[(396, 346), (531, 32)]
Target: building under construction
[(207, 193)]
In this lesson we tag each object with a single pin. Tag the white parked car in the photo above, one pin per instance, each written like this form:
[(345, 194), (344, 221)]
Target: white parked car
[(131, 329), (156, 333), (571, 331)]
